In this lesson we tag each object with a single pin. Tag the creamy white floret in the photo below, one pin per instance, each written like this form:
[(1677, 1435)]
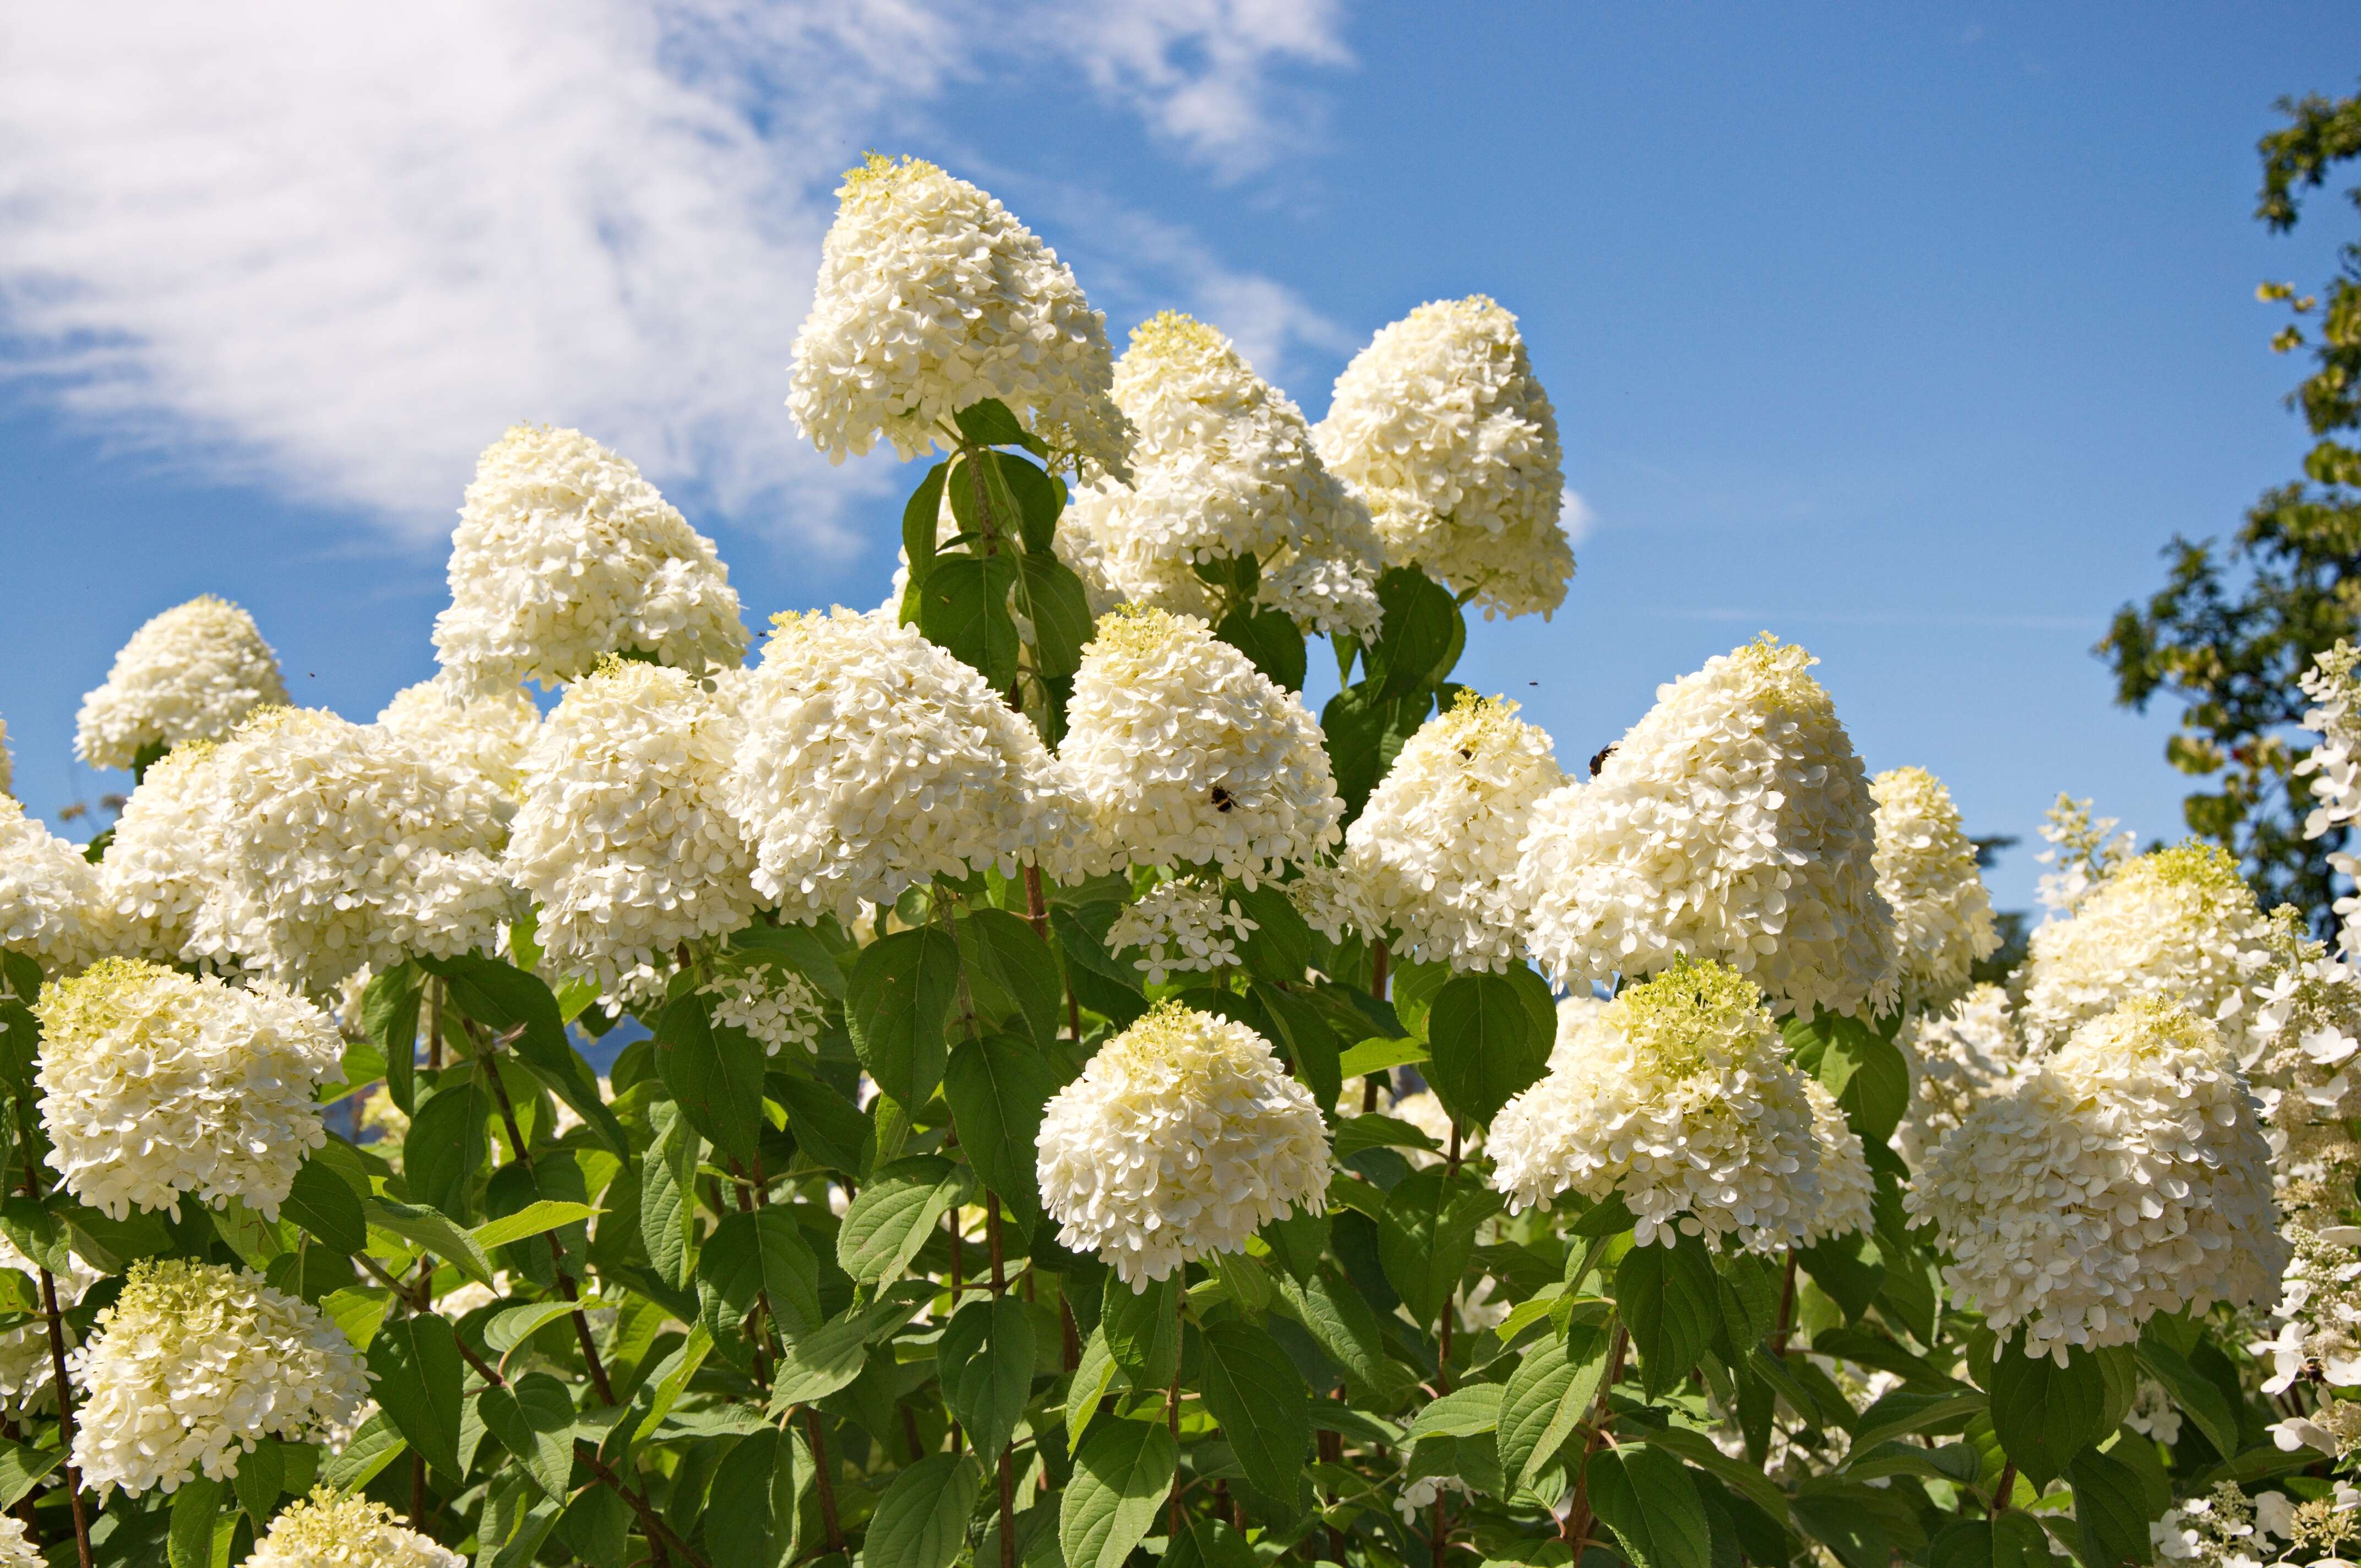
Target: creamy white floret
[(191, 674)]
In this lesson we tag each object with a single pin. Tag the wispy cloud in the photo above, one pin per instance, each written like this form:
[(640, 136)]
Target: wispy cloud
[(339, 251)]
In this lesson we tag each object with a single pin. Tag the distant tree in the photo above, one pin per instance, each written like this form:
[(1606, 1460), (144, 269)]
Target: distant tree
[(2237, 625)]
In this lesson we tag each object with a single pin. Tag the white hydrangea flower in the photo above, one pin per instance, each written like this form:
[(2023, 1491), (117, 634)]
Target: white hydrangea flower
[(193, 1365), (155, 1084), (565, 555), (2179, 924), (27, 1370), (1224, 468), (1680, 1095), (769, 1002), (931, 298), (1442, 425), (2085, 851), (2153, 1413), (1437, 844), (2304, 1062), (346, 846), (1334, 901), (1180, 927), (1732, 823), (164, 881), (1192, 756), (873, 759), (1955, 1060), (1183, 1136), (17, 1548), (2335, 766), (49, 893), (189, 675), (623, 838), (330, 1531), (487, 733), (2122, 1177), (1927, 871), (1847, 1190)]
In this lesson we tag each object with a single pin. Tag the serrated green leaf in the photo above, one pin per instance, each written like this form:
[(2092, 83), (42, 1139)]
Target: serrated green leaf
[(1254, 1391), (896, 1002), (892, 1218), (1485, 1046), (1670, 1300), (1644, 1496), (533, 1418), (667, 1192), (2045, 1414), (921, 1521), (1545, 1398), (416, 1362), (998, 1088), (541, 1214), (1121, 1474), (714, 1073), (985, 1361)]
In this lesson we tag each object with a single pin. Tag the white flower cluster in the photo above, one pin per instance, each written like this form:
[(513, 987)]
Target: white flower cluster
[(2319, 1308), (2179, 924), (193, 1365), (771, 1002), (873, 759), (1680, 1095), (1926, 873), (622, 836), (1192, 756), (346, 846), (49, 893), (1224, 468), (2305, 1031), (154, 1084), (2085, 850), (932, 297), (1437, 846), (164, 883), (2122, 1177), (2335, 766), (2334, 1427), (17, 1548), (1847, 1190), (1183, 1136), (2226, 1529), (565, 555), (1334, 901), (27, 1370), (329, 1530), (1452, 443), (1732, 823), (1179, 927), (486, 733), (189, 675), (1955, 1060)]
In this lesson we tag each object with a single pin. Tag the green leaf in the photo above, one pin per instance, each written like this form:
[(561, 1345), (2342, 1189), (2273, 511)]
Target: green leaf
[(389, 1017), (534, 1419), (197, 1507), (321, 1202), (985, 1361), (1865, 1070), (1121, 1475), (1381, 1056), (1485, 1046), (435, 1232), (416, 1362), (1060, 607), (511, 1326), (963, 609), (377, 1444), (1143, 1328), (2194, 1393), (670, 1380), (1906, 1411), (896, 1005), (921, 1521), (1363, 733), (1427, 1236), (667, 1192), (1644, 1496), (2111, 1512), (1670, 1300), (749, 1514), (519, 1007), (1094, 1379), (1254, 1391), (1699, 1451), (998, 1088), (445, 1147), (1301, 1032), (988, 422), (1340, 1320), (1546, 1396), (829, 1129), (890, 1221), (828, 1358), (921, 520), (714, 1071), (2045, 1414), (1849, 1268), (1271, 641), (748, 1256), (21, 1469), (1012, 972), (1409, 654), (1039, 495), (541, 1215), (1279, 949), (1468, 1411)]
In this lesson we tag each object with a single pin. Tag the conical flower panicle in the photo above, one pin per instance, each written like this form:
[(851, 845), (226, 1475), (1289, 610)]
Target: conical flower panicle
[(191, 674), (1926, 873)]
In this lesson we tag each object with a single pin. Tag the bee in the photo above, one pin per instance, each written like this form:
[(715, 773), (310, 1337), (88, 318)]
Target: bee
[(1598, 759), (1222, 800)]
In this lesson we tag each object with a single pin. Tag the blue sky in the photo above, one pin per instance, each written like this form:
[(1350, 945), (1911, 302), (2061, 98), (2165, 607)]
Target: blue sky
[(1911, 335)]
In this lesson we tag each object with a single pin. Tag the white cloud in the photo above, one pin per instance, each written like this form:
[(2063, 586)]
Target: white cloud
[(1575, 516), (339, 250)]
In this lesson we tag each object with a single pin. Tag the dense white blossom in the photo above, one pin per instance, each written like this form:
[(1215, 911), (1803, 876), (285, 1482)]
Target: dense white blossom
[(1437, 844), (189, 675), (1224, 468), (1180, 927), (1846, 1188), (1732, 823), (1181, 1137), (1680, 1095), (484, 733), (49, 893), (622, 836), (2122, 1176), (2179, 923), (1927, 873), (1192, 756), (931, 298), (330, 1531), (347, 846), (193, 1365), (2335, 767), (1955, 1058), (17, 1548), (771, 1002), (155, 1084), (565, 555), (164, 883), (1334, 901), (873, 759), (1442, 425)]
